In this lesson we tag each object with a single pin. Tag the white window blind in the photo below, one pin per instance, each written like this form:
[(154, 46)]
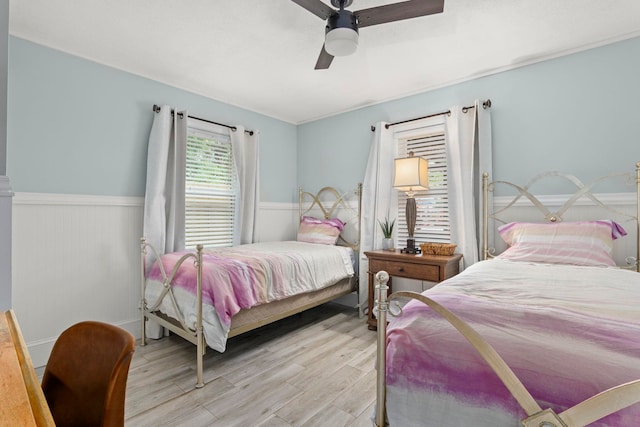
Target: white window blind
[(210, 193), (432, 222)]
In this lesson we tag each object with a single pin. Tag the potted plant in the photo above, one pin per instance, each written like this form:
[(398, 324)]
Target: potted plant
[(387, 231)]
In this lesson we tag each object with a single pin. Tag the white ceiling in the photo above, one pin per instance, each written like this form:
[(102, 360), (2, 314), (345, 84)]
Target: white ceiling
[(260, 54)]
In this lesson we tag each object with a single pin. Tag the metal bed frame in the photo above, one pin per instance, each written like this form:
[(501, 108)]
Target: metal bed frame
[(592, 409), (328, 201)]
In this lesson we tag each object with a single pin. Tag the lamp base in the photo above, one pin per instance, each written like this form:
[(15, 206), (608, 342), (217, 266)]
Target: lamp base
[(411, 248)]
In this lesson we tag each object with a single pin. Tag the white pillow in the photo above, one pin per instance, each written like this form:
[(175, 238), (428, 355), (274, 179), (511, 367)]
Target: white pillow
[(323, 231), (576, 243)]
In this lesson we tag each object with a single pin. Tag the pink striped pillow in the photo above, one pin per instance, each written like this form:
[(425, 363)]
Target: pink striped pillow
[(575, 243), (323, 231)]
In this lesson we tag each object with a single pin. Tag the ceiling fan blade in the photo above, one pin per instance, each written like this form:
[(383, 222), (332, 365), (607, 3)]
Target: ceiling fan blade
[(317, 7), (398, 11), (324, 60)]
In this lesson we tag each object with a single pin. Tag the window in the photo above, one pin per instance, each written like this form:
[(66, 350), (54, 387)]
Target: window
[(210, 187), (426, 140)]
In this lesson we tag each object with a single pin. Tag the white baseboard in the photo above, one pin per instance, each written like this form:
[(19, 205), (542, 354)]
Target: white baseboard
[(41, 349)]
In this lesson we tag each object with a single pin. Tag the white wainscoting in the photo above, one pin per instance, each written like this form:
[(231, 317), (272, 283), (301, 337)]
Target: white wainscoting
[(76, 258), (276, 222)]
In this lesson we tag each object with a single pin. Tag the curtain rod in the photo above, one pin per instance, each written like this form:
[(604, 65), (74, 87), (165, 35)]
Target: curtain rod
[(157, 108), (485, 104)]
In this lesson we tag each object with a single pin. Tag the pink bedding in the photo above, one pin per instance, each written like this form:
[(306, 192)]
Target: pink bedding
[(246, 276), (567, 332)]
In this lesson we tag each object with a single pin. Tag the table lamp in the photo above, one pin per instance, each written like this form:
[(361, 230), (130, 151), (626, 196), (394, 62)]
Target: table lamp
[(411, 175)]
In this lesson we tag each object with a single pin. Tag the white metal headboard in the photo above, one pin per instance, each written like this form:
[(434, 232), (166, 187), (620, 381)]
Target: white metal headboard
[(328, 202), (551, 214)]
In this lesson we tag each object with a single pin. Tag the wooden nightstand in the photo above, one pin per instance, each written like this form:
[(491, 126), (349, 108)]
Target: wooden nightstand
[(433, 268)]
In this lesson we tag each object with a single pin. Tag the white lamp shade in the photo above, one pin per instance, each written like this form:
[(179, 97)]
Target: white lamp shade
[(411, 174), (341, 41)]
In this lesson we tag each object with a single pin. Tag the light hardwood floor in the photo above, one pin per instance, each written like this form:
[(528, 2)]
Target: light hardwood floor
[(316, 368)]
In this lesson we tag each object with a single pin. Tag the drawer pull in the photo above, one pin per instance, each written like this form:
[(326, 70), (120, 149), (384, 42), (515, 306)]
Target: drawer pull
[(401, 269)]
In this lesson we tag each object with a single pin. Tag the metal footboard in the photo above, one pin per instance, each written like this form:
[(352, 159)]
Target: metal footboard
[(582, 414), (179, 327)]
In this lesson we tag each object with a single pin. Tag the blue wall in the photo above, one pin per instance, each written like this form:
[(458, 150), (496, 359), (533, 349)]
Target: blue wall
[(577, 114), (78, 127)]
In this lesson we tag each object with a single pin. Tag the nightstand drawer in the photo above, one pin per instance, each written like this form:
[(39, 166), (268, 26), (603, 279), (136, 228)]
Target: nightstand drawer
[(432, 268), (412, 271)]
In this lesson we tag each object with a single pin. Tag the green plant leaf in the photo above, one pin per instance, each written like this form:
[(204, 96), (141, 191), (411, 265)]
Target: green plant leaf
[(387, 227)]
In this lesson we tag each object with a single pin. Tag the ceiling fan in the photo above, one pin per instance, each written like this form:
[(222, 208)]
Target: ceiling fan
[(341, 32)]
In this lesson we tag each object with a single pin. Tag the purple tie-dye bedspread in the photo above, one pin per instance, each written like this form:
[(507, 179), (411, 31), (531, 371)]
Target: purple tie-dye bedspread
[(567, 332), (246, 276)]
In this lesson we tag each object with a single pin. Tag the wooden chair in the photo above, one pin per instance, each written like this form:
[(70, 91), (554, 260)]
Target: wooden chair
[(85, 378)]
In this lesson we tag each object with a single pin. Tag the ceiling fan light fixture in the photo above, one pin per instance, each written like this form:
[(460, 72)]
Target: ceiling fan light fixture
[(341, 42), (341, 30), (341, 34)]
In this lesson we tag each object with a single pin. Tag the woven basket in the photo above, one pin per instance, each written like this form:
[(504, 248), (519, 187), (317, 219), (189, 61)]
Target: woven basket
[(431, 248)]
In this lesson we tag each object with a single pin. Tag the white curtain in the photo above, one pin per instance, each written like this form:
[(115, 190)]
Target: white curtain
[(468, 142), (245, 154), (485, 163), (164, 197), (377, 200)]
